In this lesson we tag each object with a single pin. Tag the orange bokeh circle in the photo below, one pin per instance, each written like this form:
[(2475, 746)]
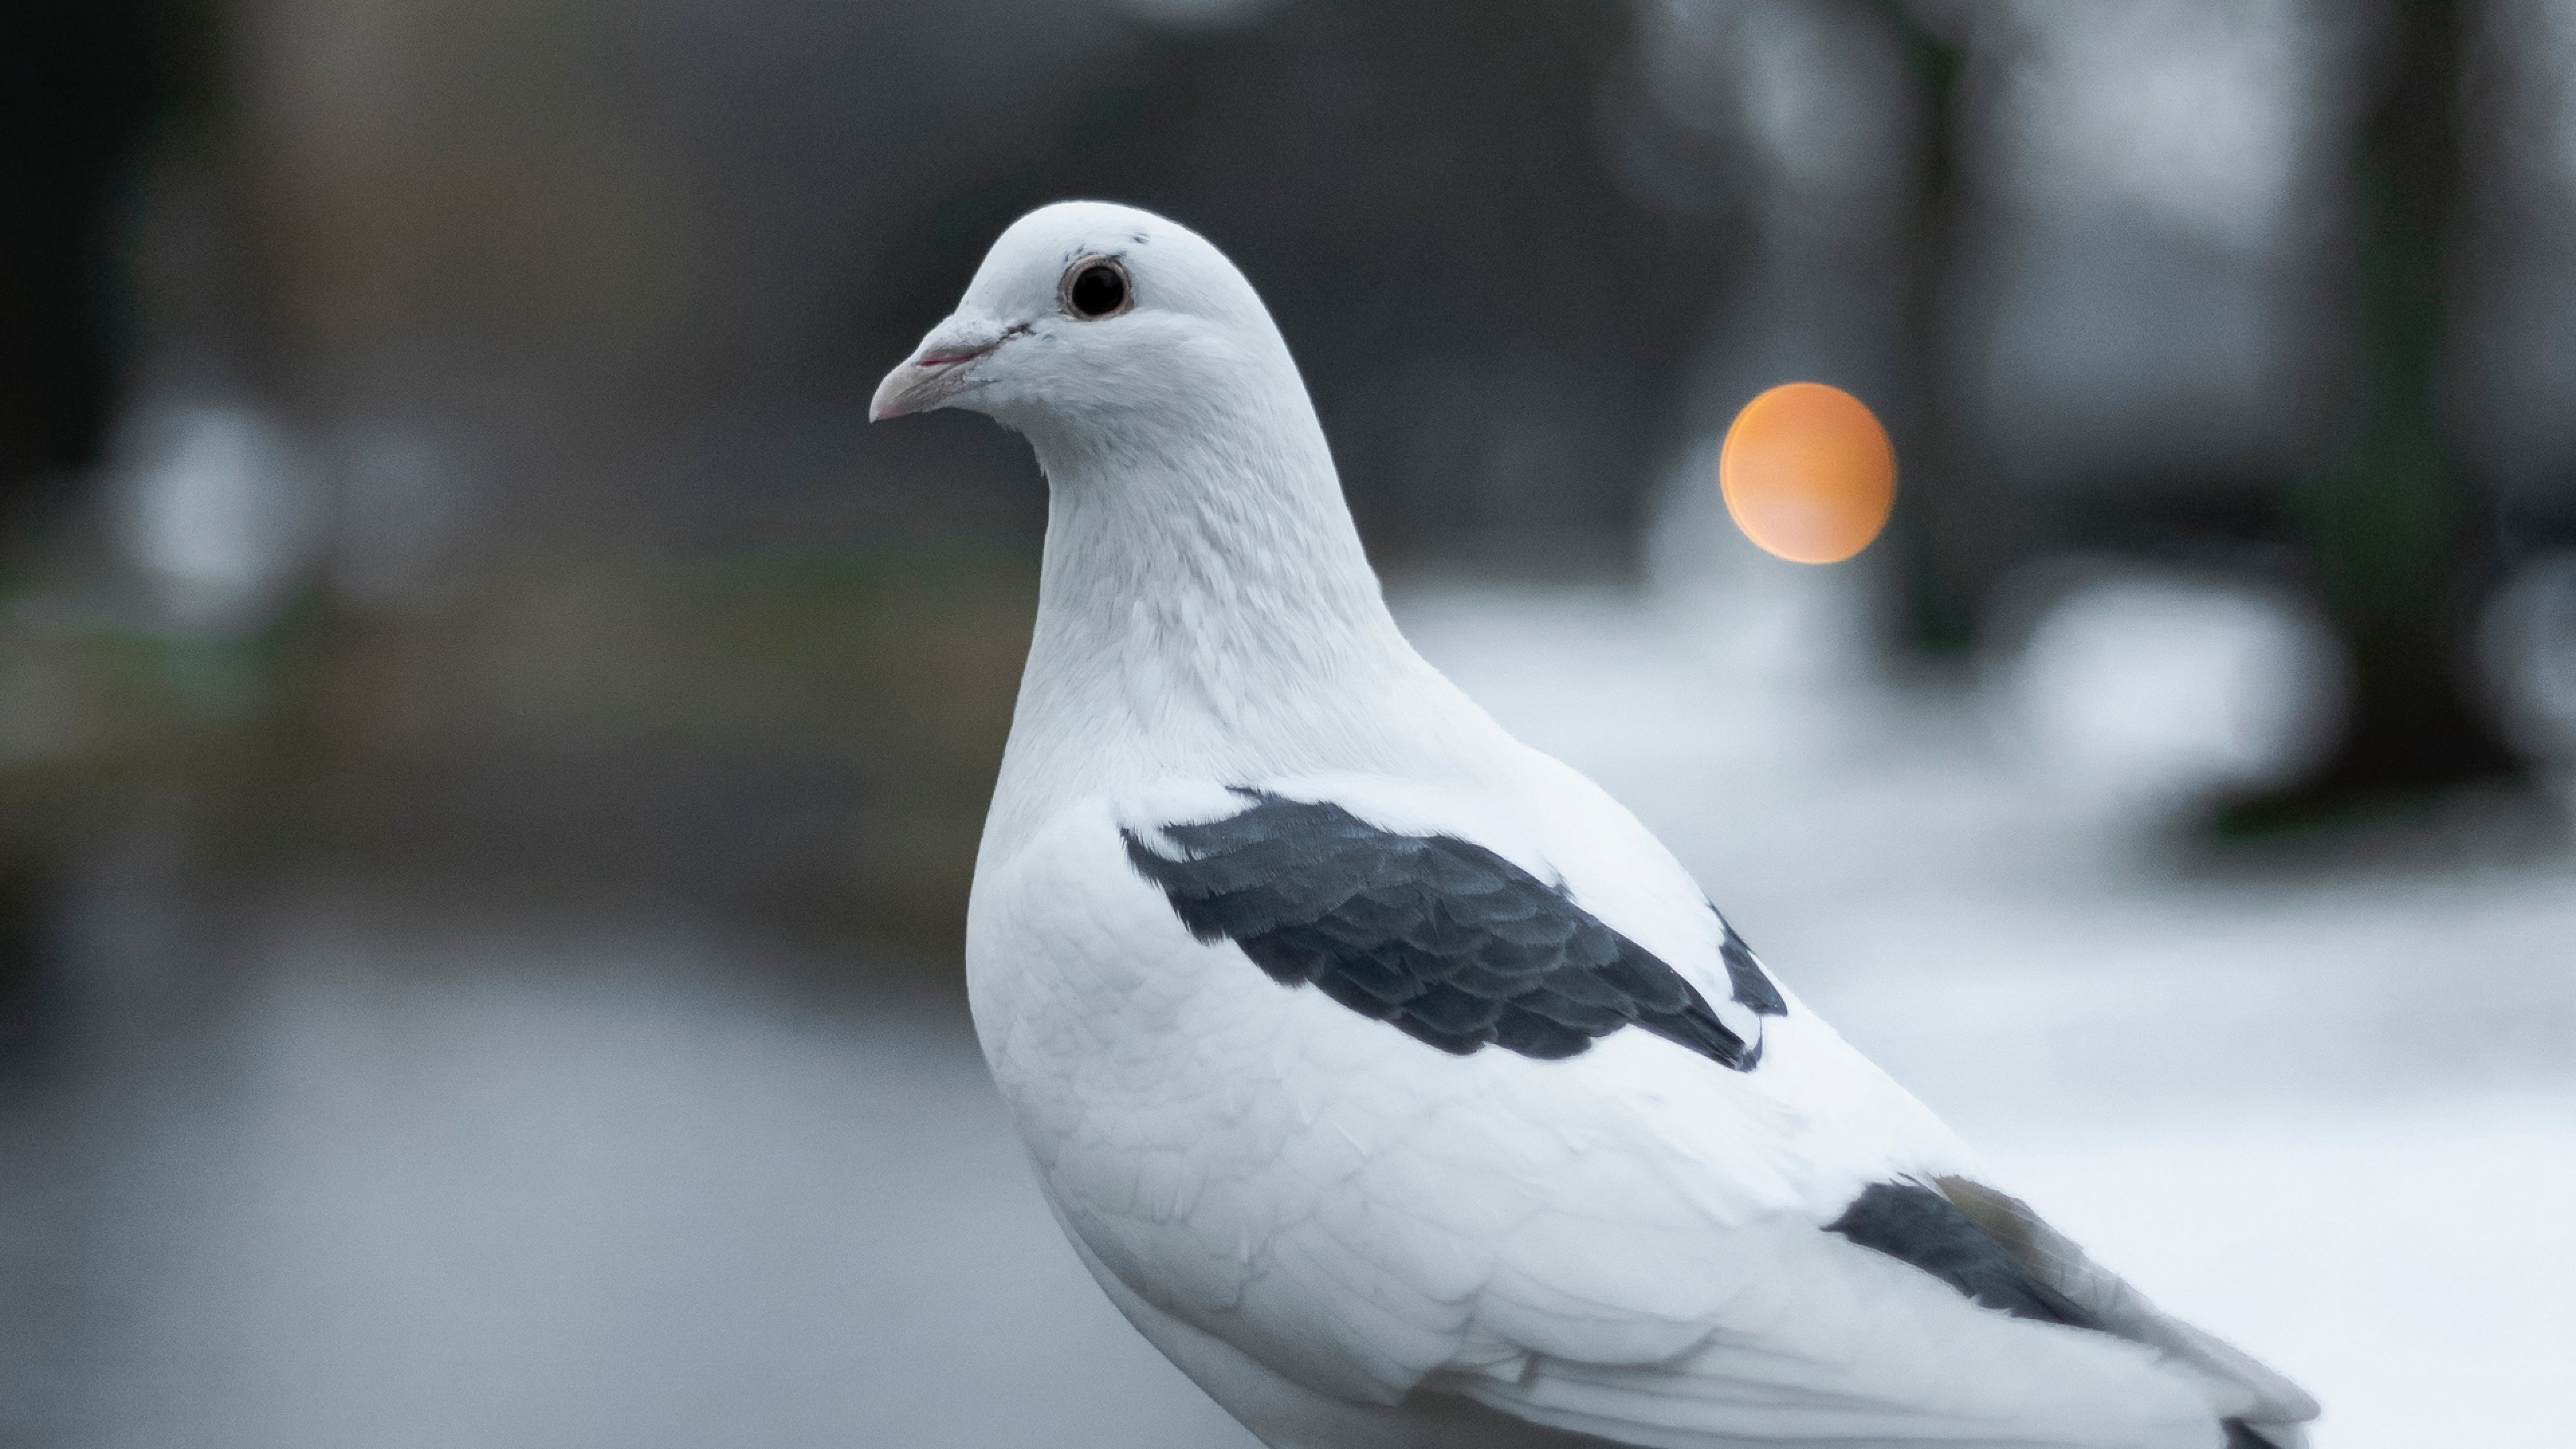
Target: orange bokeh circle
[(1808, 473)]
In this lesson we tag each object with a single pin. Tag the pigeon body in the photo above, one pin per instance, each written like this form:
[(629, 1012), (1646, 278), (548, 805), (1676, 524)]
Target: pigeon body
[(1390, 1076)]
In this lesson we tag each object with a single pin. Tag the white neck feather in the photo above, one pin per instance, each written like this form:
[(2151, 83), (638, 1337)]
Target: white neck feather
[(1205, 609)]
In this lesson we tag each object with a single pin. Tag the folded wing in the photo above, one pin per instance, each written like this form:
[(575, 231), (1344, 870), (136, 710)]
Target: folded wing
[(1536, 1215)]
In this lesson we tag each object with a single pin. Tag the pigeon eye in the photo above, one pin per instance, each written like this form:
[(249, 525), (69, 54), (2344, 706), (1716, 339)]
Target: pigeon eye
[(1096, 287)]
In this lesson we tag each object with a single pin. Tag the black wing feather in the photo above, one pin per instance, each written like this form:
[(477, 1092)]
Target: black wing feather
[(1993, 1249), (1442, 938), (1913, 1223)]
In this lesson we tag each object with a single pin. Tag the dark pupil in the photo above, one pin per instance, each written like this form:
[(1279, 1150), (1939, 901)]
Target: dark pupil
[(1098, 290)]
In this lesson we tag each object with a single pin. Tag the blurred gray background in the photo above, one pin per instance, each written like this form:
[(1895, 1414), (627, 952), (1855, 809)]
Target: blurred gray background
[(491, 745)]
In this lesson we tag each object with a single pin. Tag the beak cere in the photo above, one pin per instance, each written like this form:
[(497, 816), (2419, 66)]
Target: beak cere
[(935, 371)]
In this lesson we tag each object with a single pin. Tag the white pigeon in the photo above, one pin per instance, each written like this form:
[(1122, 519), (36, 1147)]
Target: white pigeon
[(1388, 1075)]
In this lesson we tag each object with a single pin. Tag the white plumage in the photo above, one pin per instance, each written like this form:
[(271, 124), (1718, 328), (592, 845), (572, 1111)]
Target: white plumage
[(1390, 1077)]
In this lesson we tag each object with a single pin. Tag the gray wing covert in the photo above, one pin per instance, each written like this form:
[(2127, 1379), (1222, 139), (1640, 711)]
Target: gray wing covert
[(1437, 936)]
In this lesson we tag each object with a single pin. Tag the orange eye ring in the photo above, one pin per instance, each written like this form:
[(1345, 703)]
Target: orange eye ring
[(1808, 473)]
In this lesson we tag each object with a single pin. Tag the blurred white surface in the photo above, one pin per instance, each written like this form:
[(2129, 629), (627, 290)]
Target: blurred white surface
[(2328, 1113), (2135, 683)]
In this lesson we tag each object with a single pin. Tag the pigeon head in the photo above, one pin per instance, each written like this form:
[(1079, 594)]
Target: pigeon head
[(1198, 548), (1089, 314)]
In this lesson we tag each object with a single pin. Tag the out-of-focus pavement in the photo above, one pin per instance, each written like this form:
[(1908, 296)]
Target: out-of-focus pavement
[(391, 1173), (401, 1181)]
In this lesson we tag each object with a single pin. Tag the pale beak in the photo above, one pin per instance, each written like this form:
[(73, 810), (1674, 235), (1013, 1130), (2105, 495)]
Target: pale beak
[(938, 369)]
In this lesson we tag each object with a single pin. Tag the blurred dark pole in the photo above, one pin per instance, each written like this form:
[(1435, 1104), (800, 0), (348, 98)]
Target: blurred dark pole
[(81, 85), (2398, 533), (1956, 530)]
